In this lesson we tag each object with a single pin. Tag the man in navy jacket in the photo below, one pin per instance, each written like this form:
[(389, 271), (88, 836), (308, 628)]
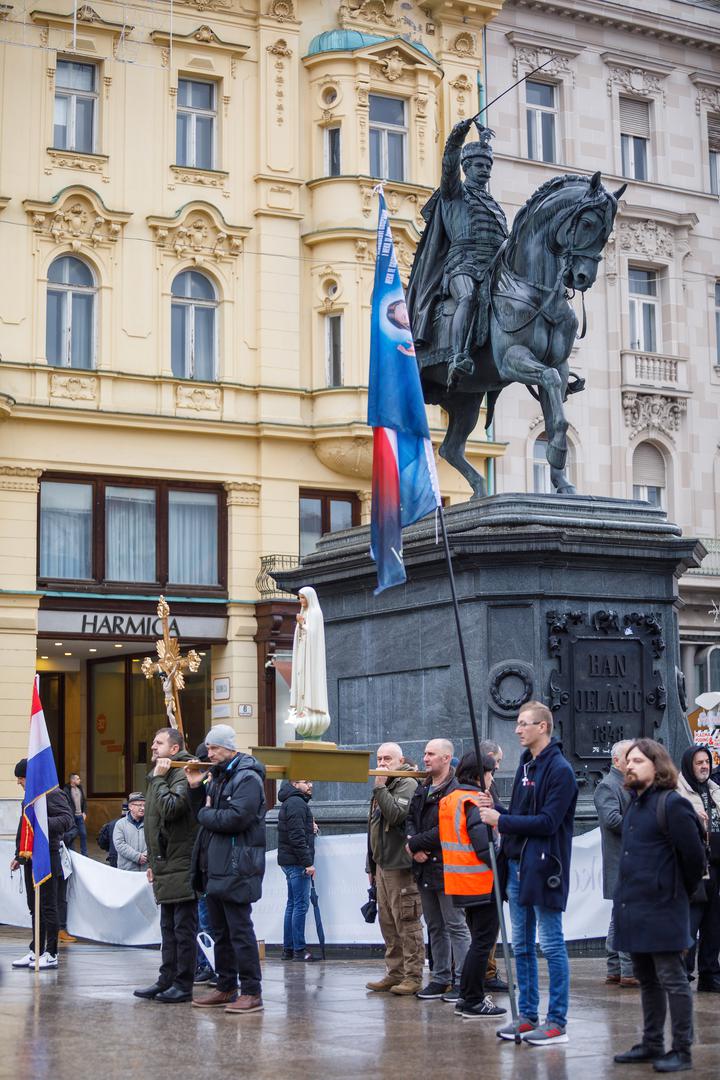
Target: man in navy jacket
[(536, 833)]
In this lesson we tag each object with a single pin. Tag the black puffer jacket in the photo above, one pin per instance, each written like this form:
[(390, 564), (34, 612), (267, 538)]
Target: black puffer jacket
[(296, 836), (60, 820), (423, 832), (229, 858)]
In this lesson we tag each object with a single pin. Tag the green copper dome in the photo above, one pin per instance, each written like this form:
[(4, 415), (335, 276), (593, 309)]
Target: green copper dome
[(351, 40)]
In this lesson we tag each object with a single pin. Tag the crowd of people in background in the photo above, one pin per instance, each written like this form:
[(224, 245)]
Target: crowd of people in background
[(438, 848)]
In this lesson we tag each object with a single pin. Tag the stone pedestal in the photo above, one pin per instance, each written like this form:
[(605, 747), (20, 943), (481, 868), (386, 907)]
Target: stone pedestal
[(567, 600)]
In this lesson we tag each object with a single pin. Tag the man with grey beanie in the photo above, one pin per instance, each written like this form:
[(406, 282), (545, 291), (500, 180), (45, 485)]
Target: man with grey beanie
[(228, 866)]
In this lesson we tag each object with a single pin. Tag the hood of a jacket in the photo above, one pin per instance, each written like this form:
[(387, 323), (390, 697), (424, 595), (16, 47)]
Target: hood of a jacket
[(686, 767), (182, 755), (437, 794), (552, 750), (287, 789), (237, 764)]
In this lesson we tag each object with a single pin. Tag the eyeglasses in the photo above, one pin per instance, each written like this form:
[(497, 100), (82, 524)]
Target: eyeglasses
[(528, 723)]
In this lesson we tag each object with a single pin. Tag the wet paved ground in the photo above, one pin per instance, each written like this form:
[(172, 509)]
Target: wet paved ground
[(81, 1021)]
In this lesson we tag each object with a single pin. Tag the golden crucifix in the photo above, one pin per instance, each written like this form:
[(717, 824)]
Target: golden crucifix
[(170, 666)]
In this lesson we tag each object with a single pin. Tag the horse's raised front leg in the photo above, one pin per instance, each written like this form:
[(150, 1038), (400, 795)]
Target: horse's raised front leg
[(519, 364), (463, 411)]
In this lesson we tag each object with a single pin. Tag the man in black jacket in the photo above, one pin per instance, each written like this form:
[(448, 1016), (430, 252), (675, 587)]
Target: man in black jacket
[(228, 866), (296, 856), (60, 819), (661, 865), (76, 797), (446, 924)]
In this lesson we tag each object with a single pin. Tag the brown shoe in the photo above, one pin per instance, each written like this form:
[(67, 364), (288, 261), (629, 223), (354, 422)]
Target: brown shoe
[(630, 982), (246, 1003), (217, 1000), (407, 987), (613, 980), (66, 939), (382, 985)]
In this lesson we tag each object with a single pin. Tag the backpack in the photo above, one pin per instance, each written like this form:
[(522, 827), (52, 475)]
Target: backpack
[(699, 896), (105, 841)]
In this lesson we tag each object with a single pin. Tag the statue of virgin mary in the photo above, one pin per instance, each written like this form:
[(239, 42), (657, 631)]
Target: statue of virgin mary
[(308, 711)]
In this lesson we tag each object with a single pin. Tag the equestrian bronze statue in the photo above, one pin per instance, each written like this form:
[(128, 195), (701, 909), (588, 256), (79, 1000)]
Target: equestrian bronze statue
[(489, 308)]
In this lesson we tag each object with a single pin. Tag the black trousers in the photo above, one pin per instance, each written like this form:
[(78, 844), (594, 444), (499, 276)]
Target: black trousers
[(705, 920), (663, 983), (236, 948), (48, 905), (483, 923), (178, 929)]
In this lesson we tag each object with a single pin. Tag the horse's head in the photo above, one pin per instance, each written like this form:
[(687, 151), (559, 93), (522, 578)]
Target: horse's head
[(580, 233)]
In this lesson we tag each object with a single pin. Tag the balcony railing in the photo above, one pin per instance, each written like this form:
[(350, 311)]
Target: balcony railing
[(711, 563), (265, 581), (654, 370)]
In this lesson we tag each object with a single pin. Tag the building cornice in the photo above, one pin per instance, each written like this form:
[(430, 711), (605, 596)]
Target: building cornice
[(85, 16), (203, 36), (603, 14), (535, 39), (674, 220)]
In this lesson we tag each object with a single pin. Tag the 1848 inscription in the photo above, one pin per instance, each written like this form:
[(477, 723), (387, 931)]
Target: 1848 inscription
[(606, 687)]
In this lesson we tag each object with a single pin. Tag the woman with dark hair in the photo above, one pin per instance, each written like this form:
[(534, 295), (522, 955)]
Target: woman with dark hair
[(469, 880)]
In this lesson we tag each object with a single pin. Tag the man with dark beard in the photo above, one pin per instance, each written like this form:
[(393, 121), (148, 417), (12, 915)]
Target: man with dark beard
[(661, 865), (704, 795)]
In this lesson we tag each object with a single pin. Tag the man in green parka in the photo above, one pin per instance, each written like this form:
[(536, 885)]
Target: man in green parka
[(170, 829)]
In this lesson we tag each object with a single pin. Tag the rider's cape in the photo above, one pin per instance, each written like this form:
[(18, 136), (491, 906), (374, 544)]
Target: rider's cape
[(427, 271)]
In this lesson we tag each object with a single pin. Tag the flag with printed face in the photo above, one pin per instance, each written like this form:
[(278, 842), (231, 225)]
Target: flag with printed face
[(41, 778), (404, 481)]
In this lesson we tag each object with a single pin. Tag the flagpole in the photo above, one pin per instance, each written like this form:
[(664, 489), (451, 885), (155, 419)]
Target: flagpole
[(481, 773), (37, 928)]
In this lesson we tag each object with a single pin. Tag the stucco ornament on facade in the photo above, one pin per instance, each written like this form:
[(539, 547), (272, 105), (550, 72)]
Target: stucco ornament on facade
[(367, 13), (74, 387), (635, 80), (207, 5), (708, 93), (391, 66), (19, 478), (348, 455), (200, 232), (653, 412), (463, 44), (282, 10), (646, 238), (198, 398), (463, 89), (527, 56), (78, 219)]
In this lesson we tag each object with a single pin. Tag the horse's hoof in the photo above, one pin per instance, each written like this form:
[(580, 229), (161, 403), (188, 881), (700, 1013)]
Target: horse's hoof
[(556, 455), (479, 492), (568, 489)]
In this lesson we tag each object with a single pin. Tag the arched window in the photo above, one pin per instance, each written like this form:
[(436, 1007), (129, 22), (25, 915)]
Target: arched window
[(194, 327), (542, 484), (70, 325), (649, 474)]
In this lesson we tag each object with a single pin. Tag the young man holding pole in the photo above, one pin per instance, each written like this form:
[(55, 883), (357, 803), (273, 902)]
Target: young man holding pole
[(536, 834)]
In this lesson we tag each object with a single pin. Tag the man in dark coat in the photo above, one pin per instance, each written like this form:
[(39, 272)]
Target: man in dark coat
[(170, 829), (536, 835), (76, 797), (612, 799), (296, 856), (446, 924), (703, 794), (60, 820), (662, 863), (228, 866)]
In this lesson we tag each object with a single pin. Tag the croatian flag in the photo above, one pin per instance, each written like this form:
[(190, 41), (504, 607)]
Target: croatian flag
[(41, 778), (404, 483)]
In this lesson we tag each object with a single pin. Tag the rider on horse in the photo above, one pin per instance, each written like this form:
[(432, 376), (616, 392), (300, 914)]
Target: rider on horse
[(465, 229)]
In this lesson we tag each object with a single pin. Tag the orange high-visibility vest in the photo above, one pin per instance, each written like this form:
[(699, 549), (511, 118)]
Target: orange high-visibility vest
[(464, 873)]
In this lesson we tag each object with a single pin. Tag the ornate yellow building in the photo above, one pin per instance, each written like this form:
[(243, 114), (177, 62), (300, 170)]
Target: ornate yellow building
[(187, 245)]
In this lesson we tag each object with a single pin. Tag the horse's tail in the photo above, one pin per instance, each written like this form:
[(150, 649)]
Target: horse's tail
[(490, 399)]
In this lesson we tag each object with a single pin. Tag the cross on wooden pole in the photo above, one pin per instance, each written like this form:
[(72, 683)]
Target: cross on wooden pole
[(170, 666)]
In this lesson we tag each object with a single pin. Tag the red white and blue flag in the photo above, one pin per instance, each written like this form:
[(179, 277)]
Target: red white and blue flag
[(41, 778), (404, 484)]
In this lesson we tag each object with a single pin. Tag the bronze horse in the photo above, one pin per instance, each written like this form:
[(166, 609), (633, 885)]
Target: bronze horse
[(553, 250)]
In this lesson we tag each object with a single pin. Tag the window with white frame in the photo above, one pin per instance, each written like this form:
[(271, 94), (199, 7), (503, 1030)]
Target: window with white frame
[(333, 163), (634, 138), (541, 119), (194, 327), (644, 309), (542, 482), (388, 137), (70, 316), (333, 349), (196, 123), (76, 100), (648, 469), (713, 124)]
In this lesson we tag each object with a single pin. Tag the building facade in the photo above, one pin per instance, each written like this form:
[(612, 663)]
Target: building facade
[(188, 226), (632, 90)]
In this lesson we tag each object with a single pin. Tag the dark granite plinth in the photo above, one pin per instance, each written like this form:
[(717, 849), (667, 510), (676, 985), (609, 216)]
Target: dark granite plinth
[(570, 600)]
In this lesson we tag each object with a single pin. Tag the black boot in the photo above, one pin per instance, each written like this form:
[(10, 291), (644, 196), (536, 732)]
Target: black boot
[(675, 1061), (304, 956), (150, 992), (638, 1055), (174, 996)]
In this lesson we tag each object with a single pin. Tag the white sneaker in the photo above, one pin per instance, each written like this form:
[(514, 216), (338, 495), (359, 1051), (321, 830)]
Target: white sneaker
[(26, 961), (47, 960)]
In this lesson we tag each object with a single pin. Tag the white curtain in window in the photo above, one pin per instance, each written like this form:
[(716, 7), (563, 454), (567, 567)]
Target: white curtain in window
[(192, 538), (66, 531), (129, 534)]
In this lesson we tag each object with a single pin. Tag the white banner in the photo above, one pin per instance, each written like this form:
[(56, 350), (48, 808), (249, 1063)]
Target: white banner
[(117, 906)]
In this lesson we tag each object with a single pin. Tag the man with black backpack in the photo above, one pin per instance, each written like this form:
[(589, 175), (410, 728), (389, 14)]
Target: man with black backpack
[(661, 865)]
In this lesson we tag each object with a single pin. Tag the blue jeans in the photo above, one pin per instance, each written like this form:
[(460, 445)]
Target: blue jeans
[(548, 924), (82, 833), (298, 901), (203, 927)]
